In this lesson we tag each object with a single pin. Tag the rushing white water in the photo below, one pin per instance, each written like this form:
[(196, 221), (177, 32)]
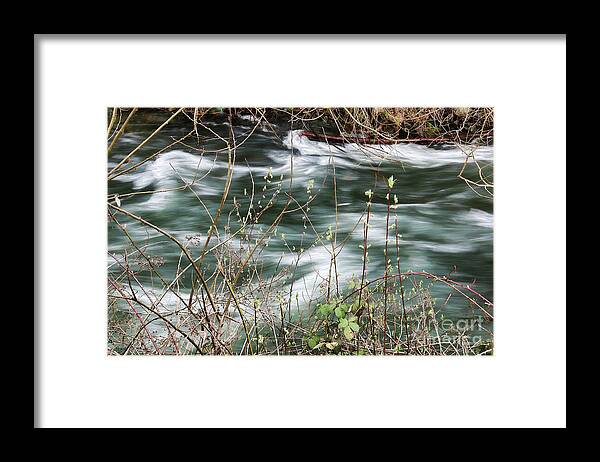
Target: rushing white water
[(443, 224), (415, 155)]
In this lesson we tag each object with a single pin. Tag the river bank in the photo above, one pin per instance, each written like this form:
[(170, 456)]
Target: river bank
[(457, 125)]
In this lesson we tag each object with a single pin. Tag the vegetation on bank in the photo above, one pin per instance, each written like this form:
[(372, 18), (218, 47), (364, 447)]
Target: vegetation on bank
[(221, 301), (461, 125)]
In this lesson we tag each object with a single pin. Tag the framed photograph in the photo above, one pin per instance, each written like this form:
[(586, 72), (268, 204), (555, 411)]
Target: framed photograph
[(368, 239)]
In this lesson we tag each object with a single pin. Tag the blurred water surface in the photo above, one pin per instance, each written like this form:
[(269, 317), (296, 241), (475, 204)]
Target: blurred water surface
[(445, 226)]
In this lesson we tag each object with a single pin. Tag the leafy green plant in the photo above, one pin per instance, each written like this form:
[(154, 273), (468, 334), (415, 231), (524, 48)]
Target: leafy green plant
[(349, 326), (345, 324), (325, 309)]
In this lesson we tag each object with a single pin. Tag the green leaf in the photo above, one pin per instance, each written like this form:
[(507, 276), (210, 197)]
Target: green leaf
[(340, 312), (343, 323), (331, 345), (353, 326), (325, 309), (348, 333), (313, 341), (391, 181)]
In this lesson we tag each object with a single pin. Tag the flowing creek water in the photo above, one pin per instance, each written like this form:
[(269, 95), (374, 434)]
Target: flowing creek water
[(445, 226)]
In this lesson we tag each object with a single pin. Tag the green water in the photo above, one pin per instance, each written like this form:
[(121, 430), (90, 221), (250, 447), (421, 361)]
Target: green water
[(446, 227)]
